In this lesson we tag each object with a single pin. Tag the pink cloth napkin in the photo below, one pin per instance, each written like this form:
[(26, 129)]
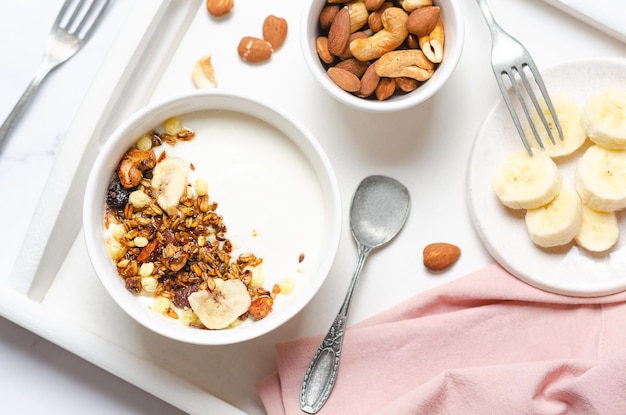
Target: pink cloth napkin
[(484, 344)]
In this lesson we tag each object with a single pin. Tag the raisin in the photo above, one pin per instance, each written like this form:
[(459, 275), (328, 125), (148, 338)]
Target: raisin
[(117, 195), (169, 237), (181, 295), (133, 284)]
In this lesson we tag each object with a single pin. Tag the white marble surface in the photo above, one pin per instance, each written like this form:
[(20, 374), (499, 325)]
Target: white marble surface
[(38, 376)]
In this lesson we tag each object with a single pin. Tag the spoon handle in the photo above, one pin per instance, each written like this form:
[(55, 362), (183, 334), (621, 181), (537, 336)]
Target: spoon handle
[(322, 371)]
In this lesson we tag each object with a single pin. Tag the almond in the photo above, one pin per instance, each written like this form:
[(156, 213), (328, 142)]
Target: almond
[(339, 32), (344, 79), (347, 54), (407, 84), (412, 41), (440, 255), (254, 50), (375, 18), (369, 81), (275, 31), (422, 21), (385, 89), (327, 15), (353, 65), (321, 44), (373, 4), (219, 8)]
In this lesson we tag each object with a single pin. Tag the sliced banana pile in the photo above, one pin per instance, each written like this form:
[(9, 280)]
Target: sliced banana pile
[(527, 182), (570, 118), (558, 213), (601, 179), (557, 222), (604, 118)]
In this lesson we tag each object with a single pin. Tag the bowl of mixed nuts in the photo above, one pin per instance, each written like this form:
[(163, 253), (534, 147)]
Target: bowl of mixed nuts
[(211, 218), (379, 55)]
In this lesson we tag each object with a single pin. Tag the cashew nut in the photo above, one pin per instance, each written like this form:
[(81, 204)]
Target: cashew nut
[(410, 63), (134, 162), (202, 74), (358, 15), (432, 43), (392, 35), (410, 5)]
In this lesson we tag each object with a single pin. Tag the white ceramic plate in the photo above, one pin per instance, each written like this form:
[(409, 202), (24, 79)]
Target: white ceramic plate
[(567, 270)]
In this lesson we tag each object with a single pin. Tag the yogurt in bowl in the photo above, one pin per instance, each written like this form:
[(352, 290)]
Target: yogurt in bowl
[(267, 178)]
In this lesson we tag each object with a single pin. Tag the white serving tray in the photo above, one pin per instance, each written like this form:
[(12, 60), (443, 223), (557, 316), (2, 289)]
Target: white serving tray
[(604, 15), (53, 291)]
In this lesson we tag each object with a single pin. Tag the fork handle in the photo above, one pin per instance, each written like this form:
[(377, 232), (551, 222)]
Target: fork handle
[(491, 21), (22, 103)]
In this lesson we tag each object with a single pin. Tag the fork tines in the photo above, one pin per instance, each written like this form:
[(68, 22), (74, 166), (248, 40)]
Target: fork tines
[(519, 69), (78, 17)]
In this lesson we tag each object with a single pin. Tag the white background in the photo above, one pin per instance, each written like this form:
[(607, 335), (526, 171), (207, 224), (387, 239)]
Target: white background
[(39, 377)]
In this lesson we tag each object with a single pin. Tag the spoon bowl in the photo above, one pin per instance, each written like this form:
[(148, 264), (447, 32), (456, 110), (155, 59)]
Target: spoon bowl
[(378, 211), (371, 219)]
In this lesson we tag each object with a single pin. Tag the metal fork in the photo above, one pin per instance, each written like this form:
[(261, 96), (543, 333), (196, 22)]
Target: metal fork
[(72, 28), (508, 59)]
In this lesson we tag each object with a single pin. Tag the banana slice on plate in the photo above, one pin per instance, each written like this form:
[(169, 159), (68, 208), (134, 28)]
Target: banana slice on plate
[(599, 231), (556, 223), (604, 118), (569, 114), (600, 178), (527, 182)]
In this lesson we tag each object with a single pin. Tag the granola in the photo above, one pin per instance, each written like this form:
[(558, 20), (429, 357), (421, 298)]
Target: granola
[(171, 251)]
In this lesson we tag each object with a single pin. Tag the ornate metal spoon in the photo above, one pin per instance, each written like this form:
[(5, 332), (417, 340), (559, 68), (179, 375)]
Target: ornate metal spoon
[(378, 211)]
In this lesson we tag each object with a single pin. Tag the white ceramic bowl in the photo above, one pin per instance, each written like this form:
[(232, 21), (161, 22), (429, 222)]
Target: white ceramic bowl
[(275, 188), (454, 27)]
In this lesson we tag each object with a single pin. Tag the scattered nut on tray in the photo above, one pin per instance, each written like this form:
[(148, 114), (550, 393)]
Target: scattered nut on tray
[(219, 8), (439, 256), (203, 74), (377, 48), (256, 50)]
